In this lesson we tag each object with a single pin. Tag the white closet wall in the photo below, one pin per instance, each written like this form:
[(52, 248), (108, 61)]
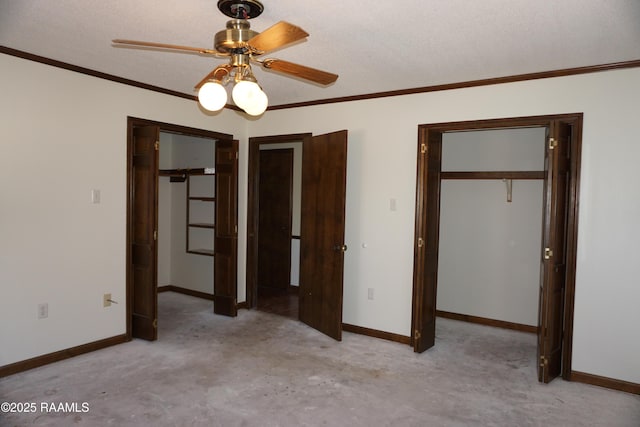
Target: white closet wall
[(489, 255)]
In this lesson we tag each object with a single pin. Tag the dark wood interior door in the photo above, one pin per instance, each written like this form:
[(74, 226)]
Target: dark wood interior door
[(324, 172), (553, 266), (225, 277), (427, 240), (275, 217), (143, 251)]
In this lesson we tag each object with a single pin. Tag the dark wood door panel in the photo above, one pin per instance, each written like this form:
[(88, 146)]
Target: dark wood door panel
[(143, 251), (322, 232), (226, 232), (553, 278), (275, 218), (225, 183), (427, 242)]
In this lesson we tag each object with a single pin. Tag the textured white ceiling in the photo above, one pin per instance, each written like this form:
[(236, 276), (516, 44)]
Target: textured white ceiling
[(373, 46)]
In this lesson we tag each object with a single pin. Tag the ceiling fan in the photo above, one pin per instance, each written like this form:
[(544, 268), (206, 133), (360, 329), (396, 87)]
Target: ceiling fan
[(243, 46)]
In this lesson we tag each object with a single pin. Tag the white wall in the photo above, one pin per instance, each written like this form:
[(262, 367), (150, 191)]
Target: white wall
[(62, 135), (57, 247), (382, 165), (489, 256)]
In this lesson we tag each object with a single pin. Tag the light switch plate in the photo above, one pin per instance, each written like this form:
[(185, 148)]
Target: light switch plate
[(95, 196)]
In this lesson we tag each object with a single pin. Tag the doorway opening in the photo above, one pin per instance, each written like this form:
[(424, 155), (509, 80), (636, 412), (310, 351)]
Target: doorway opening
[(314, 191), (215, 189), (186, 214), (557, 255), (491, 199), (279, 196)]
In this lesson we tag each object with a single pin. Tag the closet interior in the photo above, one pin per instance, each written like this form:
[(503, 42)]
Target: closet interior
[(186, 214), (491, 206)]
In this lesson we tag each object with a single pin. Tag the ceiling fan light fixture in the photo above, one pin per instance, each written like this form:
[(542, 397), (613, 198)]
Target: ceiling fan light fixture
[(212, 96), (242, 46), (246, 95), (258, 103)]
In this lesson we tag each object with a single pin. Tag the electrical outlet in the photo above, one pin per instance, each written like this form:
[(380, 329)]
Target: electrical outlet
[(370, 293), (106, 300), (43, 310)]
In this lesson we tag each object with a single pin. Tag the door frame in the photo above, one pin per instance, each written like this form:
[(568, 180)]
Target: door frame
[(133, 122), (576, 121), (253, 206)]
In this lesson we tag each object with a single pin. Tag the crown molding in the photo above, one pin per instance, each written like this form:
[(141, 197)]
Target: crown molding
[(434, 88)]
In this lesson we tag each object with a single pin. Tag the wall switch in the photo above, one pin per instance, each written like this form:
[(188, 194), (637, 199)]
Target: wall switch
[(106, 300), (392, 205), (43, 311), (95, 196), (370, 293)]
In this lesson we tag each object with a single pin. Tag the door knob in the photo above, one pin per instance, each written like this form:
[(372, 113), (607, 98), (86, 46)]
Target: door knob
[(340, 248)]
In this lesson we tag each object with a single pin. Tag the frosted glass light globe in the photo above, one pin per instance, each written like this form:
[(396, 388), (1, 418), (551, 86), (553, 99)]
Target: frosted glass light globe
[(212, 96), (258, 105), (243, 93)]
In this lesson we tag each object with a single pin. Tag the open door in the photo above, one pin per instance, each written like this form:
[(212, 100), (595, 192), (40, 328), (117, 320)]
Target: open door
[(324, 172), (554, 251), (225, 286), (143, 230), (427, 240)]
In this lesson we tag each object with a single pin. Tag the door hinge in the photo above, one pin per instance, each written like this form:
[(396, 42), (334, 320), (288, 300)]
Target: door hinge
[(420, 242), (423, 148), (236, 155), (548, 253), (553, 143), (417, 335), (543, 361), (235, 229), (155, 234), (156, 145)]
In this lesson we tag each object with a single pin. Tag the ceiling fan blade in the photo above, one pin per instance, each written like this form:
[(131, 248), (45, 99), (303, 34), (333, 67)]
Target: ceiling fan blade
[(301, 71), (165, 46), (277, 35)]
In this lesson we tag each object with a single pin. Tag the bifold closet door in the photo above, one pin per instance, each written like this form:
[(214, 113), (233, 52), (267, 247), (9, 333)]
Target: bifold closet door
[(143, 231), (225, 281)]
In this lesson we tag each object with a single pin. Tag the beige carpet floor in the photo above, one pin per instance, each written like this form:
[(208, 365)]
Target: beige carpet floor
[(260, 369)]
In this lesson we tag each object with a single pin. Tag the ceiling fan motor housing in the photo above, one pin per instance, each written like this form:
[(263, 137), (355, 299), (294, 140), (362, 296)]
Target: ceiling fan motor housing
[(240, 9), (234, 39)]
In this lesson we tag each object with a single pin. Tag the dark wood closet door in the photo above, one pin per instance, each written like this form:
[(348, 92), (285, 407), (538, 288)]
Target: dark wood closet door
[(275, 216), (427, 239), (324, 171), (225, 286), (143, 252), (553, 267)]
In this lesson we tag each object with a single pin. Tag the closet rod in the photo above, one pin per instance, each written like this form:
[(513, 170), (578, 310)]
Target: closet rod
[(494, 175)]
